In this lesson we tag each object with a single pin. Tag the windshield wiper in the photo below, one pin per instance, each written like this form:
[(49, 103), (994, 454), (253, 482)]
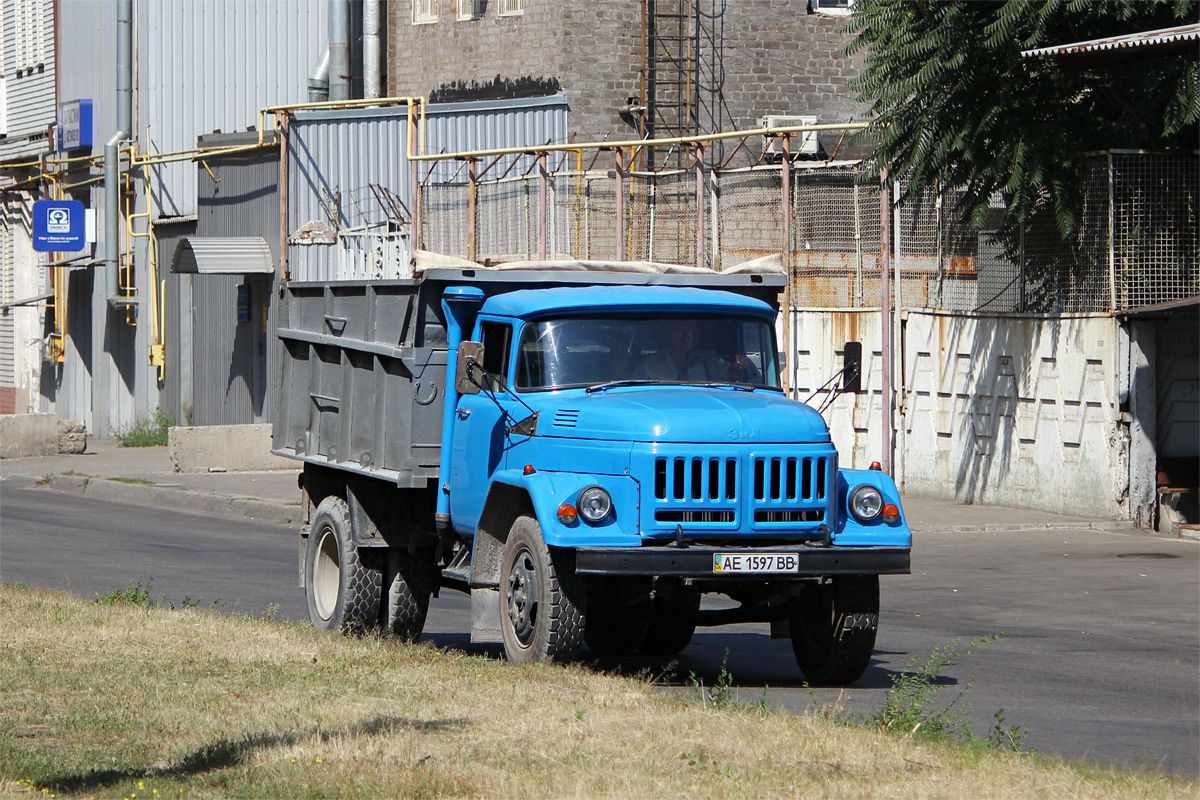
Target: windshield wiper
[(600, 387)]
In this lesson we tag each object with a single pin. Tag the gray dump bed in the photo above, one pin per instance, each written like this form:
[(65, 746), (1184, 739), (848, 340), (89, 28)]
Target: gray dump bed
[(364, 363)]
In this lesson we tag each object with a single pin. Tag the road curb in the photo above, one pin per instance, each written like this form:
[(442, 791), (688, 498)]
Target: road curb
[(177, 498)]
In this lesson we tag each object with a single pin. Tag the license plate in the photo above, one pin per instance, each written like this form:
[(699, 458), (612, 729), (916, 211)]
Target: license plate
[(755, 563)]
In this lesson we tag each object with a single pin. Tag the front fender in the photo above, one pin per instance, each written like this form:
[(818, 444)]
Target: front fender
[(850, 531), (548, 490)]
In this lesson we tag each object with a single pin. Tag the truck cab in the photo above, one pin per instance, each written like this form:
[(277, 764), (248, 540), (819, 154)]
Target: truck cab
[(644, 434)]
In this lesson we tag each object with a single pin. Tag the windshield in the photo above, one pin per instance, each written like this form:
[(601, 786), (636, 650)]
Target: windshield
[(588, 351)]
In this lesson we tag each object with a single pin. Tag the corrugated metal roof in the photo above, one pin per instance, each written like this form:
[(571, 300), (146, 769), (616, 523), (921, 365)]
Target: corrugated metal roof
[(224, 256), (1162, 36)]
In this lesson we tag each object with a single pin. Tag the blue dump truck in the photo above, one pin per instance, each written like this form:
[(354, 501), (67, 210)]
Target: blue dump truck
[(586, 454)]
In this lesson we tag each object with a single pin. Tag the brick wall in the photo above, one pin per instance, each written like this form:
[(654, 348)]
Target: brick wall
[(777, 59)]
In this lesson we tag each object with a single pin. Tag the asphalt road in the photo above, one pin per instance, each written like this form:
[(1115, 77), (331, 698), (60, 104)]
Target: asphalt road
[(1100, 658)]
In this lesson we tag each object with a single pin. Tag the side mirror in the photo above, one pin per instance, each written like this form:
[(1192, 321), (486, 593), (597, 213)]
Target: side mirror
[(852, 367), (470, 368)]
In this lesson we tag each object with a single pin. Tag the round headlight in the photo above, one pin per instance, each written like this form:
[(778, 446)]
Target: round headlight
[(594, 505), (866, 503)]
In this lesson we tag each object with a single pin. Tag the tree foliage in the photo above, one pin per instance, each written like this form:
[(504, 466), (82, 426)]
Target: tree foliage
[(956, 105)]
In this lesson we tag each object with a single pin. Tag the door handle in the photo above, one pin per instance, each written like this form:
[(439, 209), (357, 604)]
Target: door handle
[(463, 413)]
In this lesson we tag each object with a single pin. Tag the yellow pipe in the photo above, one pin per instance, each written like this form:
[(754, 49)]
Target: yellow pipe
[(639, 143)]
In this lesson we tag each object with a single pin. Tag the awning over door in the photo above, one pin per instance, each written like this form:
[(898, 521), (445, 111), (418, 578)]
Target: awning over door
[(209, 255)]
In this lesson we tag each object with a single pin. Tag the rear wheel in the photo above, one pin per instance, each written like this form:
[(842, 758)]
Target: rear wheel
[(833, 635), (341, 583), (541, 612), (408, 582)]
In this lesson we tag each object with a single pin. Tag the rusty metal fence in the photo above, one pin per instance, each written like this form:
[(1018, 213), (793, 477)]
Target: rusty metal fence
[(1135, 243)]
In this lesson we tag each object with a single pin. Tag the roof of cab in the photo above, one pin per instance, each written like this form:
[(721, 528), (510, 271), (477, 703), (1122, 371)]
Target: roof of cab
[(529, 303)]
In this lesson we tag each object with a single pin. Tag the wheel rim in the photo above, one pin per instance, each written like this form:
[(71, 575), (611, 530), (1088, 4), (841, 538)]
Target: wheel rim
[(327, 574), (523, 596)]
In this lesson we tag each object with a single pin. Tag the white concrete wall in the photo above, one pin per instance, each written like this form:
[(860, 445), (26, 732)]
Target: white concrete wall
[(1011, 410), (1018, 411)]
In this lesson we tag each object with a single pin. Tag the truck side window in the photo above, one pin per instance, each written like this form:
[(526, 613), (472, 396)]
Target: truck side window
[(496, 338)]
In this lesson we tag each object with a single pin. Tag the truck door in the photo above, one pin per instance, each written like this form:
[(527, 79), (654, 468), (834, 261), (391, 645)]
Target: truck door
[(481, 427)]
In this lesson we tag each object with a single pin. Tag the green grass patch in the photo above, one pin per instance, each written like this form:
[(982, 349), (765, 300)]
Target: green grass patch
[(144, 431), (126, 696)]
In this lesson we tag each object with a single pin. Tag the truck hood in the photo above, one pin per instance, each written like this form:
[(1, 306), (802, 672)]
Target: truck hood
[(680, 414)]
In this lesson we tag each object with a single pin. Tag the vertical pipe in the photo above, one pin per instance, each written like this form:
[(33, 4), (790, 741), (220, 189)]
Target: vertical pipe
[(414, 169), (339, 50), (785, 182), (701, 258), (370, 56), (885, 302), (897, 343), (620, 205), (472, 207), (284, 275), (112, 154), (1112, 239), (543, 207)]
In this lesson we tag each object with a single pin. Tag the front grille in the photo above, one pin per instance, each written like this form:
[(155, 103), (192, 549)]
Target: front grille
[(722, 490), (695, 478), (789, 478), (680, 517), (789, 516)]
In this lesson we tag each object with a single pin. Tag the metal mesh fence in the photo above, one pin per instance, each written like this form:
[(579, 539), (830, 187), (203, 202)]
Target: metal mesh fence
[(1155, 251), (835, 239), (1135, 242)]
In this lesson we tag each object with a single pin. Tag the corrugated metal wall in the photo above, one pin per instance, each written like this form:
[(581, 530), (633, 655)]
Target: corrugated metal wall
[(335, 158), (211, 65), (27, 75), (200, 66), (219, 368)]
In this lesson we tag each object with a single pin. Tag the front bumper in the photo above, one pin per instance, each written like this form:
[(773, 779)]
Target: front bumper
[(696, 561)]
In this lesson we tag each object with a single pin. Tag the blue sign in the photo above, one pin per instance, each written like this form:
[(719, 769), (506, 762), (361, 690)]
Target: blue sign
[(58, 226), (75, 125)]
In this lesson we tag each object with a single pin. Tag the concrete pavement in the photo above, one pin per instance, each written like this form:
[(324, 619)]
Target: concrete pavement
[(146, 475)]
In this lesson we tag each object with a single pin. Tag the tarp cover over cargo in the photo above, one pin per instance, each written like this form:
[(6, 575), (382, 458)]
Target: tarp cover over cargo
[(767, 265)]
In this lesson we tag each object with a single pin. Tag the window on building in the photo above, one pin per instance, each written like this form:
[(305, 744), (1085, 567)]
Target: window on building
[(509, 8), (424, 11), (468, 9), (834, 8)]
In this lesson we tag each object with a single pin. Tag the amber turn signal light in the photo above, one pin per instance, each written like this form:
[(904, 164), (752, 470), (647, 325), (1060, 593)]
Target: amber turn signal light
[(890, 513), (567, 514)]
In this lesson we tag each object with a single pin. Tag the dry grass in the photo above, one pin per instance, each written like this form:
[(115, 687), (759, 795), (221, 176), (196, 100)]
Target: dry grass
[(118, 700)]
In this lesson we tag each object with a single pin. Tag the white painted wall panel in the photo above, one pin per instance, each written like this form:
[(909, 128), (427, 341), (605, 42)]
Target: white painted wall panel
[(855, 420), (1016, 411)]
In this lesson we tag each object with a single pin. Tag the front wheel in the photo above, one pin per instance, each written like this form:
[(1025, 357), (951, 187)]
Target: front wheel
[(833, 634), (341, 585), (541, 612)]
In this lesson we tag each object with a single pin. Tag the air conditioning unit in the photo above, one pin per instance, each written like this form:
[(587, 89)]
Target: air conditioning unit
[(803, 144)]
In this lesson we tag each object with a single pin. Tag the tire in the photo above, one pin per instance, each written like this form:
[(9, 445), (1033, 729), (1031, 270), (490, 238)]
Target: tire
[(669, 637), (408, 583), (541, 612), (618, 615), (341, 583), (833, 635)]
